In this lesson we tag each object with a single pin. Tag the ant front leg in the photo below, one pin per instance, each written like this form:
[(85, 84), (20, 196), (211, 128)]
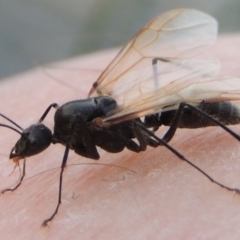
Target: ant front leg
[(64, 161), (55, 105), (81, 141)]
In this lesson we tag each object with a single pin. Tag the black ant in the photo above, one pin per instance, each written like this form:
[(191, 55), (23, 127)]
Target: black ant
[(175, 91)]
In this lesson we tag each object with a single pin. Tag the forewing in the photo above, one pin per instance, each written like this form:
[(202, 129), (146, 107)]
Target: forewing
[(180, 33)]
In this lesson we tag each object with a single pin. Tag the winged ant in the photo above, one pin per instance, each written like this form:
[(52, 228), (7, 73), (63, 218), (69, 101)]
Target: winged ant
[(177, 90)]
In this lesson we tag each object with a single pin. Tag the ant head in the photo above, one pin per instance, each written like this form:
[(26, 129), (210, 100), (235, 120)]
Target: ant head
[(33, 140)]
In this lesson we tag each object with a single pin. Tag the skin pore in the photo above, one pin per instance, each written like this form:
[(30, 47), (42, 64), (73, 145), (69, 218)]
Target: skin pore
[(148, 195)]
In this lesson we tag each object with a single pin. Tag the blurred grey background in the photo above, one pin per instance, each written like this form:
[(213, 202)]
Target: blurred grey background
[(36, 32)]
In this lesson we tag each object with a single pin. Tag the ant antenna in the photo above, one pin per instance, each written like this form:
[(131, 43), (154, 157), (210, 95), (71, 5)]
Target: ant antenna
[(7, 126), (11, 121)]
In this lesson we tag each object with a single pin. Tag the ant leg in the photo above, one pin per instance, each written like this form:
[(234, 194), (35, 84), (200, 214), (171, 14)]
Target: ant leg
[(20, 180), (181, 157), (64, 161), (172, 129), (55, 105)]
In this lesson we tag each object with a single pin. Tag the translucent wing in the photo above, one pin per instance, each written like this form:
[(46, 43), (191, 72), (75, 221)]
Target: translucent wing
[(178, 33), (174, 38)]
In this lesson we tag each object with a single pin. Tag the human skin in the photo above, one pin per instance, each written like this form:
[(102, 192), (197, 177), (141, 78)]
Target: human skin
[(152, 194)]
